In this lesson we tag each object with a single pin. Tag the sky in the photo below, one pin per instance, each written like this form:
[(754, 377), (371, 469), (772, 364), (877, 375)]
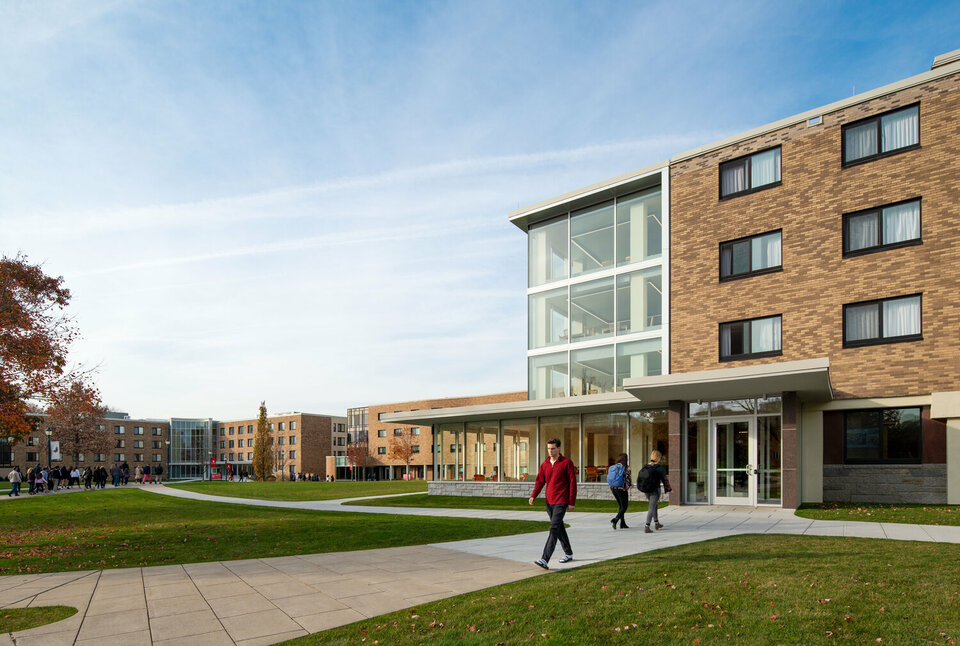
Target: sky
[(306, 202)]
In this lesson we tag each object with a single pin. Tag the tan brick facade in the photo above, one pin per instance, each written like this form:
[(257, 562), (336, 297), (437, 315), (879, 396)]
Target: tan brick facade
[(817, 280), (423, 459), (138, 442), (308, 436)]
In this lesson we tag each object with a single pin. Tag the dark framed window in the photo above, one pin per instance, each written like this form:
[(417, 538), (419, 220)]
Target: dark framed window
[(750, 173), (881, 135), (750, 338), (382, 432), (883, 227), (381, 450), (751, 255), (882, 436), (887, 320)]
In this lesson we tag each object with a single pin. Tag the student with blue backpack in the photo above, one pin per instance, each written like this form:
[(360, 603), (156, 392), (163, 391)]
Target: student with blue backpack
[(618, 477)]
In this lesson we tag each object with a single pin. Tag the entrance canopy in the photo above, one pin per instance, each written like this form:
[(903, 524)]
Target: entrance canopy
[(809, 378)]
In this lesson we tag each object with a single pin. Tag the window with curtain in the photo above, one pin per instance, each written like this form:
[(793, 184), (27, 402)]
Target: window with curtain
[(881, 135), (882, 321), (752, 338), (895, 225), (750, 173), (749, 256)]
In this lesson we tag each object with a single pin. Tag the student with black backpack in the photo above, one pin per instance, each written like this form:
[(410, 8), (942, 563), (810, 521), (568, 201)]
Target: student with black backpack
[(649, 479), (618, 477)]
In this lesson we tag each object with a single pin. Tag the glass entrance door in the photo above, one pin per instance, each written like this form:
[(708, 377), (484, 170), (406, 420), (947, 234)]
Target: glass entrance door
[(735, 472)]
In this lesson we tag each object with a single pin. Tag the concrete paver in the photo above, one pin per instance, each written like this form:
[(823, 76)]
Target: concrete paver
[(257, 602)]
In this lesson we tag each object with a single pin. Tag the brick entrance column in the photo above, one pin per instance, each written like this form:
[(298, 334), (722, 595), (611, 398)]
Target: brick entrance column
[(675, 449)]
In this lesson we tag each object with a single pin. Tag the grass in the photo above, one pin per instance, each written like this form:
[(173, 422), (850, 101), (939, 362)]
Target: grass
[(753, 589), (303, 490), (16, 619), (875, 513), (486, 502), (127, 528)]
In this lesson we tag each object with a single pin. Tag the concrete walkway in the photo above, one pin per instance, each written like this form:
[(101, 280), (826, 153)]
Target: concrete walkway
[(264, 601)]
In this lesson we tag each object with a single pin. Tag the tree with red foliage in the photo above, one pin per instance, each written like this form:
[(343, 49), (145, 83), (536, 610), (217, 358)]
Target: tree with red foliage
[(35, 336), (75, 415), (401, 448), (358, 454)]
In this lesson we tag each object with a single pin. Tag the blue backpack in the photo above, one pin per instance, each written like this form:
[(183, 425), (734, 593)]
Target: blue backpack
[(615, 475)]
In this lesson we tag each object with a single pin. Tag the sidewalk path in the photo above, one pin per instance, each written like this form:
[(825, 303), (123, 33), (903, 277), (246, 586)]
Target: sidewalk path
[(264, 601)]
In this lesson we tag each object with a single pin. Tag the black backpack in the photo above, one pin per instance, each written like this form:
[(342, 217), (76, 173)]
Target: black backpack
[(648, 480)]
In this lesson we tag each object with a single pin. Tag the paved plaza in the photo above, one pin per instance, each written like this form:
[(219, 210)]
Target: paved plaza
[(264, 601)]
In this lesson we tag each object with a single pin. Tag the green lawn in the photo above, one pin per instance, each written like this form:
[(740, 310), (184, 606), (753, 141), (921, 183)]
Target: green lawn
[(16, 619), (303, 490), (914, 514), (755, 589), (124, 528), (485, 502)]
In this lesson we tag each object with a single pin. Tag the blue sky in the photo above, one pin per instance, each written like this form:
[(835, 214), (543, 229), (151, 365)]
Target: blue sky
[(306, 202)]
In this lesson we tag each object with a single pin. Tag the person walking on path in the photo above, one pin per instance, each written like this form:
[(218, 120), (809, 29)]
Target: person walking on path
[(559, 476), (159, 471), (15, 479), (115, 475), (649, 480), (619, 479)]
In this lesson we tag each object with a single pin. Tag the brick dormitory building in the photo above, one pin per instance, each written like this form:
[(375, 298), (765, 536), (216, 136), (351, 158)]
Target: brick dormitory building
[(776, 311), (300, 443)]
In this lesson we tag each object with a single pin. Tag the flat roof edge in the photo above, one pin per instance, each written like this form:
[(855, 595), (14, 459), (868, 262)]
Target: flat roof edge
[(946, 69), (585, 191)]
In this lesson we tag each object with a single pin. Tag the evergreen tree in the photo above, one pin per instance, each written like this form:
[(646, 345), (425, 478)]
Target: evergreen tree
[(262, 455)]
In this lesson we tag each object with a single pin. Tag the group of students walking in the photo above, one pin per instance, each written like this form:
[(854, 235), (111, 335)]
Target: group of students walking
[(558, 477), (41, 480)]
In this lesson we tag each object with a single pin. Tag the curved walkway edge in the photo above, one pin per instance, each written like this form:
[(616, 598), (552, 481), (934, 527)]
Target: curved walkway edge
[(256, 602)]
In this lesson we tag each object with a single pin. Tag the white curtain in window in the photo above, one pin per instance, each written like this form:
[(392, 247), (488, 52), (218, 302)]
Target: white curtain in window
[(862, 323), (765, 168), (860, 141), (901, 222), (863, 231), (765, 251), (900, 129), (765, 335), (733, 179), (726, 345), (901, 317)]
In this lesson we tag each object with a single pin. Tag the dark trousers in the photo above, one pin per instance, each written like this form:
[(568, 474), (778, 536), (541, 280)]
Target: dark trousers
[(622, 500), (557, 532)]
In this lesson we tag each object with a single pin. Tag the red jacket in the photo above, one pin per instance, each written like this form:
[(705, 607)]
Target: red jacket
[(560, 479)]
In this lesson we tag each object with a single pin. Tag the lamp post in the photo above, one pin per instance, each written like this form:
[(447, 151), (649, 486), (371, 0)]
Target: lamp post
[(167, 442), (209, 462), (49, 450)]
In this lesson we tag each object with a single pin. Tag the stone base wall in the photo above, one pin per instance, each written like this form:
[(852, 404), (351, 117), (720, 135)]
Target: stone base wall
[(885, 483), (585, 490)]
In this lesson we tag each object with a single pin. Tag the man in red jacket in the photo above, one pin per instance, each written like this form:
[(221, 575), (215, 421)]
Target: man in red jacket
[(559, 476)]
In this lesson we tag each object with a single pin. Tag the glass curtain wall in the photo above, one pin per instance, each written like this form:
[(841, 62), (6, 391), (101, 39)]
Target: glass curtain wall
[(547, 318), (604, 438), (547, 251), (190, 448), (565, 428), (591, 239), (548, 376), (511, 450), (639, 359), (639, 227), (480, 450), (449, 448), (592, 371), (640, 301), (648, 431), (519, 456)]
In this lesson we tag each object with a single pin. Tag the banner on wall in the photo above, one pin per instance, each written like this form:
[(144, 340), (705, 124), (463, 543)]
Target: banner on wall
[(55, 450)]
